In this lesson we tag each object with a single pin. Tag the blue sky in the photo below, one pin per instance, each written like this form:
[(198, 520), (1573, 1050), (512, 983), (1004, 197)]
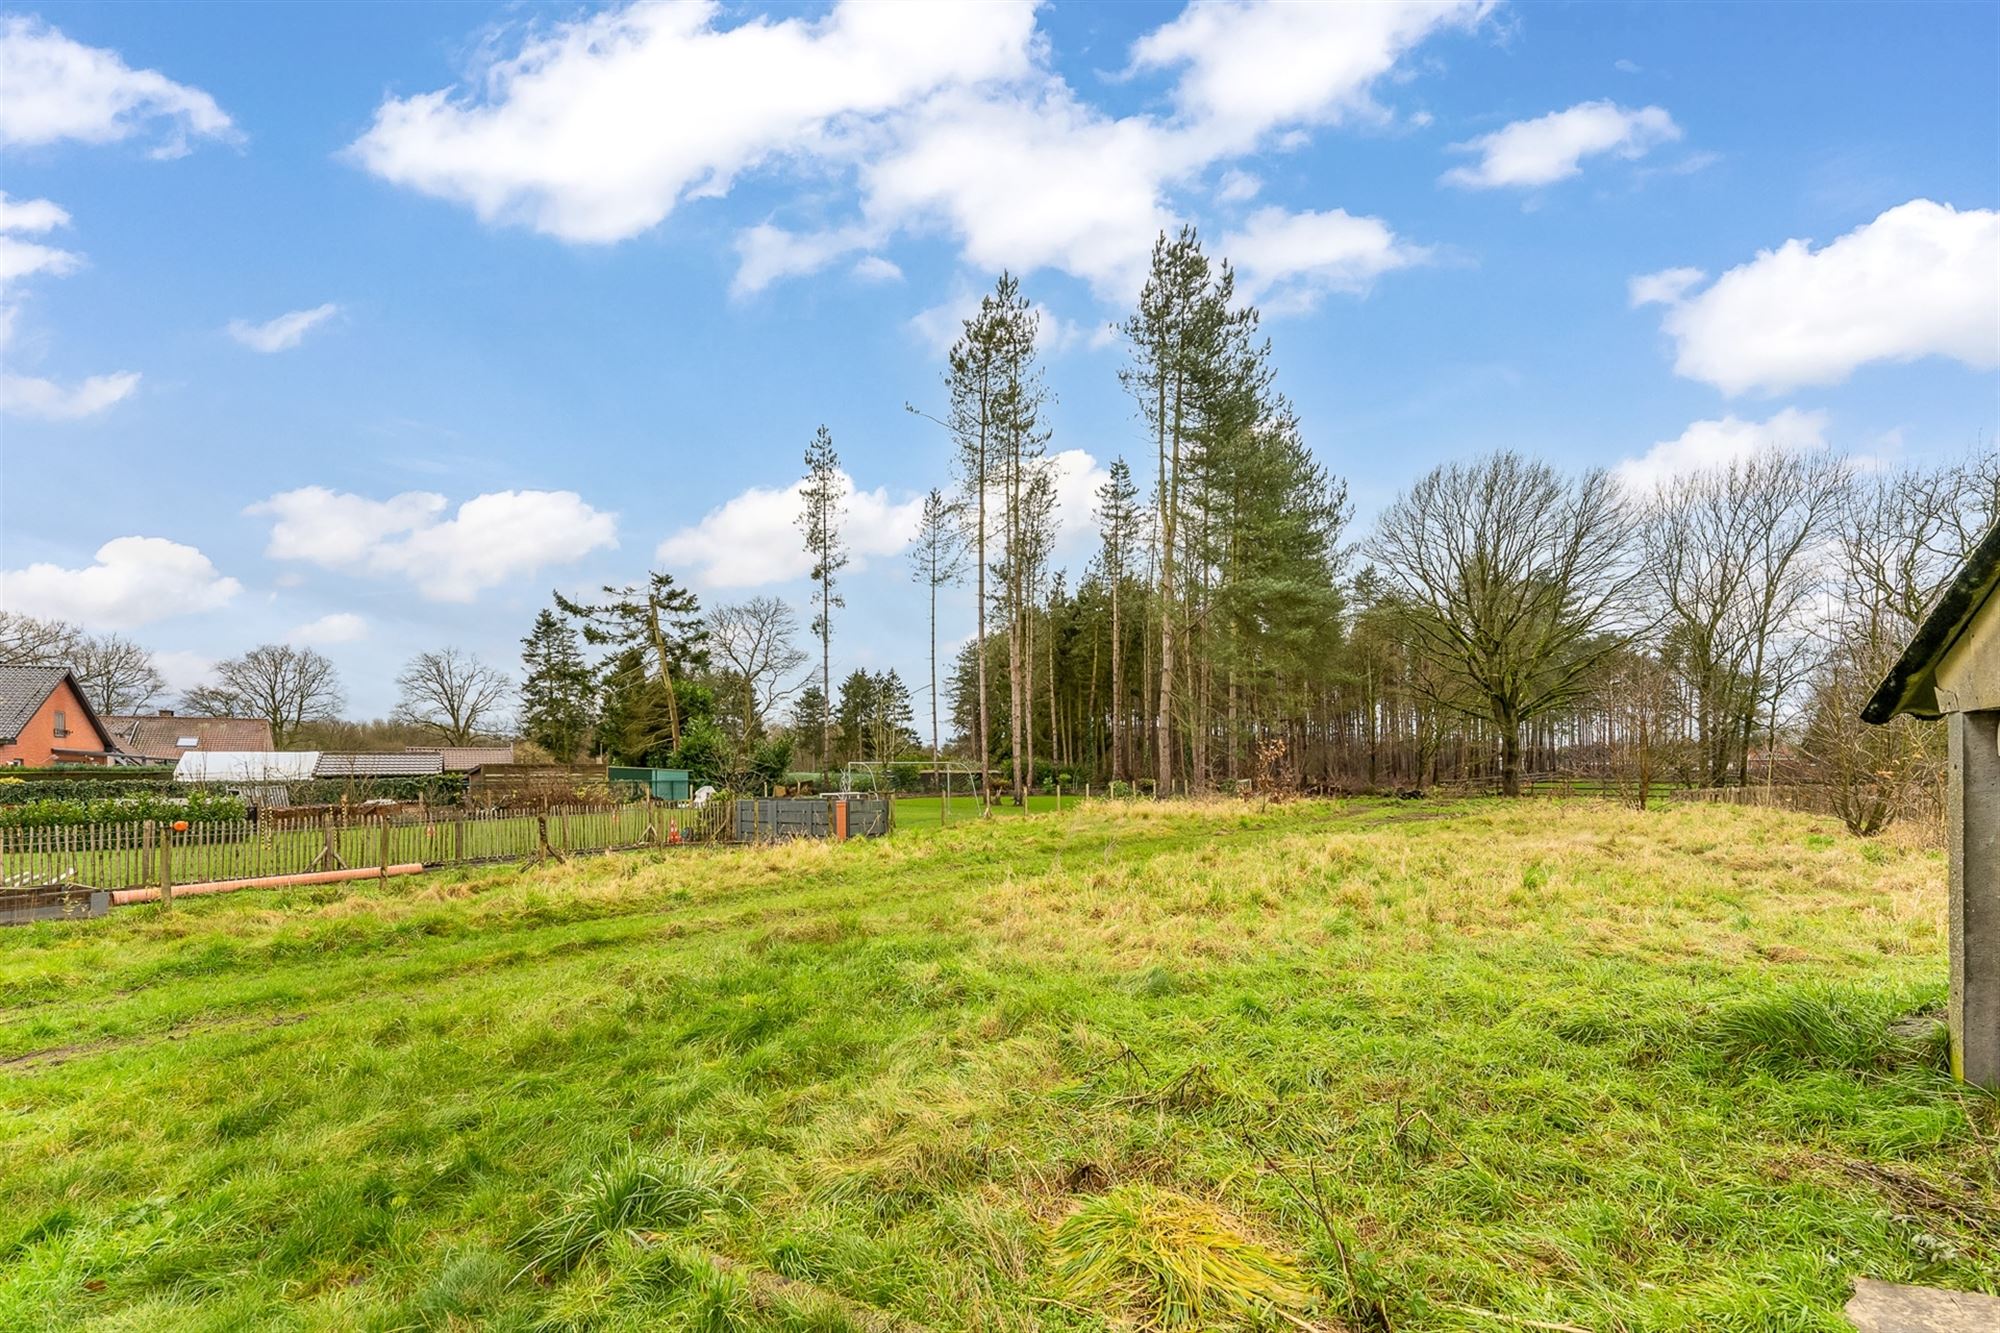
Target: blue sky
[(570, 289)]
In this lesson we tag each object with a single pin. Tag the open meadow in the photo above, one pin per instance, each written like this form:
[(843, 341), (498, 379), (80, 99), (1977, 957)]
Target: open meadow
[(1356, 1065)]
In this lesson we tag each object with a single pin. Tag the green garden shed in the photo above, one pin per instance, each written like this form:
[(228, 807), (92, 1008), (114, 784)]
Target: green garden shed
[(662, 784)]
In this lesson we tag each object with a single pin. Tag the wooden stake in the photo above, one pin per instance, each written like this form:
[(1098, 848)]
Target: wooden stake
[(167, 869)]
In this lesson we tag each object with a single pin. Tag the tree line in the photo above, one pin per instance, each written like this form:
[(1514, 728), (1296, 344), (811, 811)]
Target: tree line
[(1502, 619)]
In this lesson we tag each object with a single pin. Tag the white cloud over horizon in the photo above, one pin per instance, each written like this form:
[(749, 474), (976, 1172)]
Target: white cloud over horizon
[(132, 581), (752, 540), (283, 332), (941, 118), (1551, 148), (334, 627), (60, 89), (1705, 445), (488, 541), (1917, 281), (34, 396), (1290, 260)]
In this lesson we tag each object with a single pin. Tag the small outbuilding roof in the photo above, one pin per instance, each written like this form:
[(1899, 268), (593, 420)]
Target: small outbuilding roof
[(465, 758), (246, 766), (378, 765), (1911, 685)]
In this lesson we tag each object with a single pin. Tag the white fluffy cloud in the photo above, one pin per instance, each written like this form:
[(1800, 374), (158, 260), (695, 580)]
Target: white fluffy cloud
[(1663, 288), (134, 581), (1552, 147), (1290, 260), (30, 214), (1918, 281), (336, 627), (597, 128), (284, 332), (1708, 444), (874, 268), (490, 540), (61, 89), (943, 118), (32, 396), (1246, 68), (753, 538)]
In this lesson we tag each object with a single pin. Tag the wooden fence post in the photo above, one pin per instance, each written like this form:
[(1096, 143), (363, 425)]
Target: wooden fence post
[(167, 868), (148, 832), (458, 837), (385, 846)]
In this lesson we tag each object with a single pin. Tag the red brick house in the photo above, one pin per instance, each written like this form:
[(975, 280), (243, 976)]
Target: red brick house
[(44, 719)]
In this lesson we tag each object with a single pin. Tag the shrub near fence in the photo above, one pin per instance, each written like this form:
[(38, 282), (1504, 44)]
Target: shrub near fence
[(199, 807)]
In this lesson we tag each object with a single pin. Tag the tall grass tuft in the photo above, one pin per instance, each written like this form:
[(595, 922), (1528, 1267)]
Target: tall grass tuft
[(1797, 1030), (1170, 1261), (632, 1192)]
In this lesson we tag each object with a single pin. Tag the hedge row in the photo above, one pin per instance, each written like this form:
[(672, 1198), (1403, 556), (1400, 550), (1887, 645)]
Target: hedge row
[(14, 791), (197, 808), (437, 788)]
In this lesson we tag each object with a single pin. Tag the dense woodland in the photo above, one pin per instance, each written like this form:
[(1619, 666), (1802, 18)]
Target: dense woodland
[(1501, 621)]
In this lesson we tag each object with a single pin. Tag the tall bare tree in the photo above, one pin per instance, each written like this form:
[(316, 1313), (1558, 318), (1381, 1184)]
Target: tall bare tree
[(452, 695), (753, 648), (1732, 555), (1519, 583), (822, 498), (937, 560), (286, 686), (117, 675)]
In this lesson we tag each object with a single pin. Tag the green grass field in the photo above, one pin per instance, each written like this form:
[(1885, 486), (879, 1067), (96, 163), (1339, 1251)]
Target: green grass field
[(1326, 1066)]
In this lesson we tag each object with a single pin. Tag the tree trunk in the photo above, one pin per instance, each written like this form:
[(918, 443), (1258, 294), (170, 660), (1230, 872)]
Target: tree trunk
[(1118, 768), (1510, 756)]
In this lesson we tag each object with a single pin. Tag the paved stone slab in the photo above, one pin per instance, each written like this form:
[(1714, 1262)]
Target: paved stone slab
[(1884, 1307)]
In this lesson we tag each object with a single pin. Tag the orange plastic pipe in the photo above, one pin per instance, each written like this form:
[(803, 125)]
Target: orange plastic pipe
[(125, 897)]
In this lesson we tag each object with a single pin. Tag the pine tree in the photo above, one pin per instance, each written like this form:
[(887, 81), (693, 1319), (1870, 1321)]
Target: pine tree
[(821, 510), (1175, 335), (558, 688), (937, 559), (661, 617), (1118, 527)]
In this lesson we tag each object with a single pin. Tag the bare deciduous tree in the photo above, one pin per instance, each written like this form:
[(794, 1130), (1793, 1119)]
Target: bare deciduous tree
[(1518, 583), (117, 675), (35, 641), (753, 645), (1732, 555), (452, 695), (286, 686)]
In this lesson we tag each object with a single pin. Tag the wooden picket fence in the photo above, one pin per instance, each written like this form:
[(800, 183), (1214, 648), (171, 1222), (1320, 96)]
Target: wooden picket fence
[(146, 853)]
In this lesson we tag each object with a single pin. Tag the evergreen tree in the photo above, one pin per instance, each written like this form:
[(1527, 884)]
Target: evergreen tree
[(1118, 529), (812, 719), (660, 617), (820, 513), (937, 559)]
